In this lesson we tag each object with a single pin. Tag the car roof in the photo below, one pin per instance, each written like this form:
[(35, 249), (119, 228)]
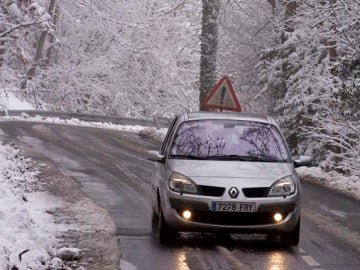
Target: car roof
[(203, 115)]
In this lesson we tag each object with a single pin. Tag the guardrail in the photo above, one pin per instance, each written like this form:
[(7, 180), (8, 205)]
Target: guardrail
[(157, 121)]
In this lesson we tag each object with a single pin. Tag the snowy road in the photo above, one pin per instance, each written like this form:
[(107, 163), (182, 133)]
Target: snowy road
[(110, 168)]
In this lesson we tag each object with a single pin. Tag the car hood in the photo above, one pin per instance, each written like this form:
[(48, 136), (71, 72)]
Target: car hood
[(231, 169)]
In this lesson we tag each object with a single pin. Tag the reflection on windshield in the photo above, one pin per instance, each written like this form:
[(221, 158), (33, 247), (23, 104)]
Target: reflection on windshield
[(230, 140)]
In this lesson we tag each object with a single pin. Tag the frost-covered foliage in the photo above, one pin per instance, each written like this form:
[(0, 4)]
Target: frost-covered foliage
[(21, 24), (128, 58), (138, 58), (312, 75), (335, 131), (245, 31)]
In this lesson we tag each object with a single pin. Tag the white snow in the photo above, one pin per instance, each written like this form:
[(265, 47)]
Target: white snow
[(27, 232), (349, 185), (14, 11), (148, 131), (26, 236), (10, 102)]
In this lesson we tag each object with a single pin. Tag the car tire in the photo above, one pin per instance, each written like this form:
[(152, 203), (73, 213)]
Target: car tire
[(154, 222), (291, 238), (166, 235)]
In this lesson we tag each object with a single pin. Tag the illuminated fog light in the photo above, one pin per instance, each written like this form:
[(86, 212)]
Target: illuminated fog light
[(186, 214), (278, 217)]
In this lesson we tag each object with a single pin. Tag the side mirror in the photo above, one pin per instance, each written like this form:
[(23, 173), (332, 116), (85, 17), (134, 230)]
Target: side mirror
[(155, 156), (303, 161)]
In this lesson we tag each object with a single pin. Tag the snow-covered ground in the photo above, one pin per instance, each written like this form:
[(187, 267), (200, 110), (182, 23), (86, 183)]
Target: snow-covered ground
[(27, 238), (27, 230), (10, 102)]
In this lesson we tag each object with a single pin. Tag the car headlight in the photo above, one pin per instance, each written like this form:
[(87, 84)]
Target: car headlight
[(283, 187), (182, 184)]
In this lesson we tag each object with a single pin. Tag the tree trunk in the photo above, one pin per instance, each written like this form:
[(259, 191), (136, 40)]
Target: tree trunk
[(209, 42), (40, 47), (50, 50), (2, 48), (332, 42), (289, 14), (2, 44)]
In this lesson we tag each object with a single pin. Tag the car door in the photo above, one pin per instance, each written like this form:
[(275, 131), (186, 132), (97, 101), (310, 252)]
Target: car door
[(160, 176)]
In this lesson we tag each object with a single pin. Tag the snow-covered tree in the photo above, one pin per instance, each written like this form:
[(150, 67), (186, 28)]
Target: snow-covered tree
[(244, 32), (124, 58), (311, 74), (21, 25), (209, 47), (298, 60)]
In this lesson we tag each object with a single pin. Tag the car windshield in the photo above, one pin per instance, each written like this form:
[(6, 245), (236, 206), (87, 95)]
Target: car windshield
[(229, 140)]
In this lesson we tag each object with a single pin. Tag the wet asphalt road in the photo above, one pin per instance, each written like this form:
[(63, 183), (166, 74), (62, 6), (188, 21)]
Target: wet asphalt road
[(111, 169)]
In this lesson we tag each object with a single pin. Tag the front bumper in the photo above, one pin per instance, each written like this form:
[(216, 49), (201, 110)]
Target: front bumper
[(203, 219)]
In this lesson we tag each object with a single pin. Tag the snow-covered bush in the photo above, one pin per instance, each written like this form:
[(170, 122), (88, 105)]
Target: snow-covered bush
[(26, 240), (21, 25), (312, 76), (124, 58)]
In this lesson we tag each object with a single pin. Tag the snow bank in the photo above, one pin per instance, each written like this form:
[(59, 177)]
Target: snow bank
[(26, 236), (10, 102), (348, 185), (145, 131)]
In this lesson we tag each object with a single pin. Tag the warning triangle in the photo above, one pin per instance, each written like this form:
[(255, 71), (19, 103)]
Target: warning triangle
[(222, 97)]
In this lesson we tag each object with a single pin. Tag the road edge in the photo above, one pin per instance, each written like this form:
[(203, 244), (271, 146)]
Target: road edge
[(79, 222)]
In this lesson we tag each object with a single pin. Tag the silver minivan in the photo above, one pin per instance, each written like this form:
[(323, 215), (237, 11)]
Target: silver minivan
[(228, 173)]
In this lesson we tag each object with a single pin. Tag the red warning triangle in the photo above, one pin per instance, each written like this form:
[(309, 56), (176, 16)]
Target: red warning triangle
[(222, 97)]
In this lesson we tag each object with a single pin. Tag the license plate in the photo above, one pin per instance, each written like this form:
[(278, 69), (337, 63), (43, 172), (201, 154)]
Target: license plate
[(233, 207)]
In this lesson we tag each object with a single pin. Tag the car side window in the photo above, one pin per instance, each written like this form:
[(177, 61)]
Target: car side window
[(168, 136)]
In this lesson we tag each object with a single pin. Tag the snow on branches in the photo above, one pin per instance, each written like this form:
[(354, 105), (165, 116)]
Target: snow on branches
[(124, 58), (312, 75), (20, 25)]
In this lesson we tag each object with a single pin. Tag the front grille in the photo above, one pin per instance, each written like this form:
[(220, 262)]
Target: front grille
[(235, 219), (211, 191), (256, 192)]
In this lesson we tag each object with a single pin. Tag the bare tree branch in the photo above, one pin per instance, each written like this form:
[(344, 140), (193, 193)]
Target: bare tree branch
[(7, 32)]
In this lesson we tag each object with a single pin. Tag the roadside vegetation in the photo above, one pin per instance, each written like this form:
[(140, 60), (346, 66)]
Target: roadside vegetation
[(296, 60)]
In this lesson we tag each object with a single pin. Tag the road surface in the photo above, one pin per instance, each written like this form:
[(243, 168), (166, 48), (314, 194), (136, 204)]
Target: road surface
[(111, 169)]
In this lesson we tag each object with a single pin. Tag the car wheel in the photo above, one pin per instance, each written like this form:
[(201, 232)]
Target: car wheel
[(154, 222), (291, 238), (165, 233)]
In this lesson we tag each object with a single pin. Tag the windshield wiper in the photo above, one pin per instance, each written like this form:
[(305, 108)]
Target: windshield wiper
[(232, 157), (247, 158), (228, 157), (188, 157)]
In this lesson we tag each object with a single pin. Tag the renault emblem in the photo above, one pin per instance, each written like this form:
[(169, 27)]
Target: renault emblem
[(233, 192)]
